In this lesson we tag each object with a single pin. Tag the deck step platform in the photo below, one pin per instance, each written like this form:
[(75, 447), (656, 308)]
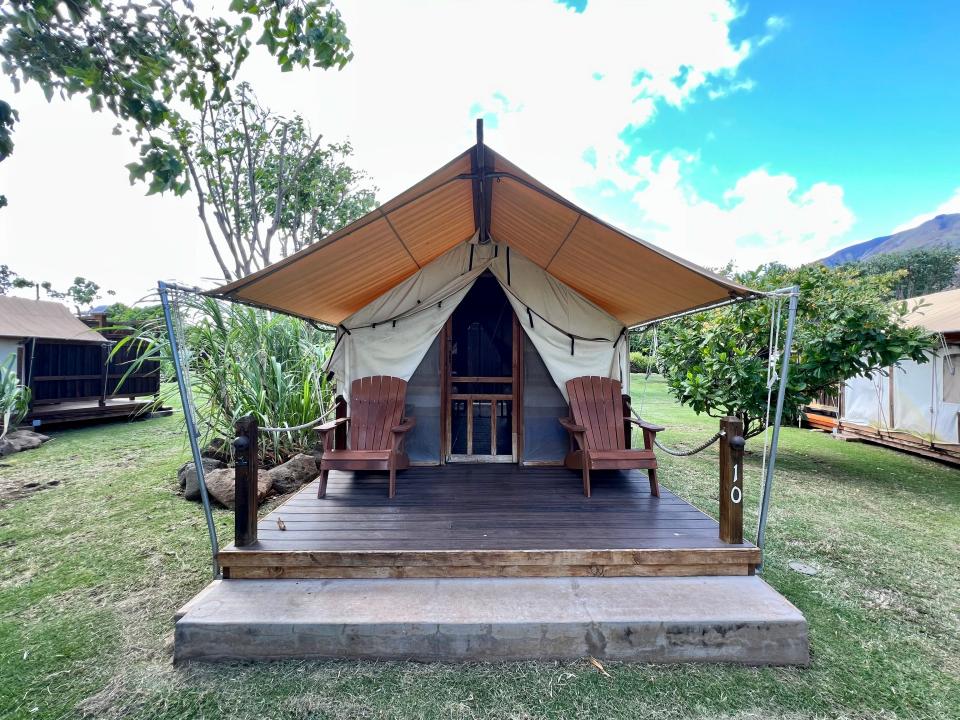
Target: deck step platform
[(638, 619)]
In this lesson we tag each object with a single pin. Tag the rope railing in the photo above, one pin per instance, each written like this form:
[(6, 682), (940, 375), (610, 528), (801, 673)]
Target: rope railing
[(682, 453), (693, 451), (296, 428)]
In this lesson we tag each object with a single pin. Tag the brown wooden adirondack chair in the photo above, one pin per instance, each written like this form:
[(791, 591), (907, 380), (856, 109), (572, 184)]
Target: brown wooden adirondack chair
[(598, 428), (377, 429)]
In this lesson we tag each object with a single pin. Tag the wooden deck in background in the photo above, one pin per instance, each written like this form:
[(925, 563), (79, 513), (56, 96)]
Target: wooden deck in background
[(83, 411), (486, 520)]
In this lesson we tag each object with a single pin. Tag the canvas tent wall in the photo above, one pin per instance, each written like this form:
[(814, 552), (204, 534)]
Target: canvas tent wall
[(914, 402), (393, 333), (389, 282)]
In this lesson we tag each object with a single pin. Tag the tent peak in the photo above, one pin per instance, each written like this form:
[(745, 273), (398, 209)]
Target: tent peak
[(481, 194)]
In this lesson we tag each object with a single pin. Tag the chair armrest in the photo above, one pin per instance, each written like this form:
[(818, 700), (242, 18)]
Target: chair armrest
[(405, 424), (570, 426), (645, 425), (327, 427)]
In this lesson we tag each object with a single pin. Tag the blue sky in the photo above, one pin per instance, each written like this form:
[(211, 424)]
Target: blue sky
[(864, 95), (717, 129)]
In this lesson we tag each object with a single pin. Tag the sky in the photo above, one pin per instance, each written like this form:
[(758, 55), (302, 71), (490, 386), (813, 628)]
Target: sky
[(721, 131)]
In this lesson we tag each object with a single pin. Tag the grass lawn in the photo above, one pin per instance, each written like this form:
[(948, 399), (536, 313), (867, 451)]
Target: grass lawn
[(92, 569)]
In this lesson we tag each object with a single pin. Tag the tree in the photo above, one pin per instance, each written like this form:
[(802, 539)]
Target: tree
[(147, 61), (135, 317), (7, 279), (716, 362), (11, 280), (8, 117), (80, 292), (925, 270), (265, 185)]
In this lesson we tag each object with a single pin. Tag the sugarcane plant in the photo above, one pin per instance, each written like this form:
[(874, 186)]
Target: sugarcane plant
[(243, 361)]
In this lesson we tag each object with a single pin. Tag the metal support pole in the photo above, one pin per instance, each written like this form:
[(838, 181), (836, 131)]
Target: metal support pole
[(187, 402), (781, 391)]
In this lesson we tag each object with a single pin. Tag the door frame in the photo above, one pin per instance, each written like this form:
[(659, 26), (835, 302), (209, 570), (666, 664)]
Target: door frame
[(516, 403)]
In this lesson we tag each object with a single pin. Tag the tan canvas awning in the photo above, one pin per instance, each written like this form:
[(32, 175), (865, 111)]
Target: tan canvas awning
[(940, 312), (479, 193), (24, 318)]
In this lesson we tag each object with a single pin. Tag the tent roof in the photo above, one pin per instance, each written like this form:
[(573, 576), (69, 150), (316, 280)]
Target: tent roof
[(940, 313), (25, 318), (479, 191)]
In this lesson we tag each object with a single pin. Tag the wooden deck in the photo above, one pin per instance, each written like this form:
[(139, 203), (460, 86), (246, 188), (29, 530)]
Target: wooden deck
[(83, 411), (486, 520)]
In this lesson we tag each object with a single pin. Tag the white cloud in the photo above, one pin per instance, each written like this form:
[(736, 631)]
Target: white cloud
[(742, 86), (553, 83), (558, 87), (763, 217), (775, 24), (951, 205)]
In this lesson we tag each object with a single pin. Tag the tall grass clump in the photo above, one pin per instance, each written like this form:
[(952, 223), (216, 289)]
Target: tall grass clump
[(14, 397), (246, 361)]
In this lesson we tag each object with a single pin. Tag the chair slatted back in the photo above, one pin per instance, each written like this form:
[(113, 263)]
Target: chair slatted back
[(597, 405), (376, 405)]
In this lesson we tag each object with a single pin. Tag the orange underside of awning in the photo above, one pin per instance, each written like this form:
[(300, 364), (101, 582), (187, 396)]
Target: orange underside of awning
[(629, 278)]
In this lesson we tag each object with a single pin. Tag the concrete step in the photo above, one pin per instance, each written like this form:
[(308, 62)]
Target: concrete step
[(639, 619)]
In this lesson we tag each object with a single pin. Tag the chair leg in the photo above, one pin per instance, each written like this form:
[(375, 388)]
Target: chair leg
[(586, 475), (393, 476), (654, 485), (322, 490)]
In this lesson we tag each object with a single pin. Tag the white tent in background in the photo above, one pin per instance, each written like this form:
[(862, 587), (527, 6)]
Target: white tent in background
[(915, 406)]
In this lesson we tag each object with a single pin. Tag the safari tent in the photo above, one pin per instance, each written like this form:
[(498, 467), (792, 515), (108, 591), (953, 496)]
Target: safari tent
[(481, 329), (915, 406), (486, 292)]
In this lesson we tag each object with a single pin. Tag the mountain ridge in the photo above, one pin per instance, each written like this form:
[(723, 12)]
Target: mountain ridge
[(940, 231)]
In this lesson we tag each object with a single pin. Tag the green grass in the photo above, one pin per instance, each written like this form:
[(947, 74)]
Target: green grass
[(92, 570)]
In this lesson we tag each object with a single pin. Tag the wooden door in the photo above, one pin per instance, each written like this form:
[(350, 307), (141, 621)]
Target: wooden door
[(481, 378)]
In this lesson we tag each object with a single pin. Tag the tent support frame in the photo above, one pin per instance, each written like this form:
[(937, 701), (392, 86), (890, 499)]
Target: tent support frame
[(186, 399), (794, 294)]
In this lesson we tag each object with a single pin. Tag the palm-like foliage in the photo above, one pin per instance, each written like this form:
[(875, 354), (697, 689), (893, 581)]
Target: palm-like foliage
[(14, 397), (245, 361)]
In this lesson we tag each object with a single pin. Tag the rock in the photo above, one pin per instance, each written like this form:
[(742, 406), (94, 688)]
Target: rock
[(187, 475), (217, 449), (20, 440), (296, 471), (221, 484)]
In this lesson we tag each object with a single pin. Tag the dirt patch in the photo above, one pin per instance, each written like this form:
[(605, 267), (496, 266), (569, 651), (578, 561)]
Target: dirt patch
[(13, 488)]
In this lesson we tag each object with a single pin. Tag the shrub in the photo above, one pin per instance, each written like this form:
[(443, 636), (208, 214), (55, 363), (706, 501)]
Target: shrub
[(246, 361), (639, 362), (14, 397)]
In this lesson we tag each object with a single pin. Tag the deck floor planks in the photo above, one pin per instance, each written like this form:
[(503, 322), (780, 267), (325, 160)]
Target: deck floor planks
[(461, 520)]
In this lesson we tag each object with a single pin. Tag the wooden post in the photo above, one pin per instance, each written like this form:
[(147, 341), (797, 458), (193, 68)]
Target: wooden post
[(104, 373), (731, 480), (246, 469), (340, 434)]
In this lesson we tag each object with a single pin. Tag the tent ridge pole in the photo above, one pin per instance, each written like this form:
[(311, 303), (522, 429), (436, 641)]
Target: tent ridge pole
[(479, 191)]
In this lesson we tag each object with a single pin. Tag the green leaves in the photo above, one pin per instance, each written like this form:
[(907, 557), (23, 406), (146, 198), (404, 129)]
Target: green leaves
[(717, 362), (14, 397), (145, 62), (914, 272)]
